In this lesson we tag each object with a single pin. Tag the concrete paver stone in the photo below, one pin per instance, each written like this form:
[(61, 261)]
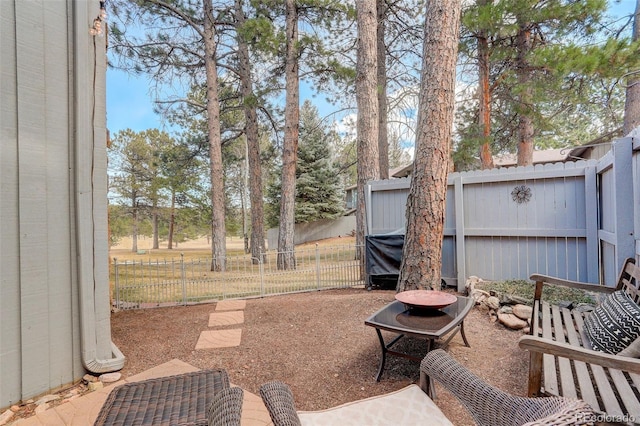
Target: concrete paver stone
[(217, 319), (212, 339), (254, 412), (231, 305)]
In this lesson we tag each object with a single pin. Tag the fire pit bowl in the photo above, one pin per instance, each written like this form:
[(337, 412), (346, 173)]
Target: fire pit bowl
[(421, 300)]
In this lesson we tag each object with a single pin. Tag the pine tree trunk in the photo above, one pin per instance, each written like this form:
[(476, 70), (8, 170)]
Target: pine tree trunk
[(219, 250), (134, 221), (172, 221), (243, 200), (422, 253), (525, 123), (154, 219), (484, 113), (632, 102), (383, 133), (253, 143), (286, 255), (525, 141), (367, 122)]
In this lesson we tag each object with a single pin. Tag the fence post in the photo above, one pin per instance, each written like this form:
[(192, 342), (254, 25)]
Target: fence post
[(117, 282), (458, 194), (622, 150), (317, 267), (184, 280), (591, 223)]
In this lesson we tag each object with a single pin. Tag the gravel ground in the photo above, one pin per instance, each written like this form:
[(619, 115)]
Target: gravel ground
[(318, 344)]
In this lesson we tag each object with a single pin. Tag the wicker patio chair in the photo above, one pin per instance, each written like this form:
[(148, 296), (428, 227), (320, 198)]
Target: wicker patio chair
[(198, 398), (278, 399), (492, 407), (226, 407)]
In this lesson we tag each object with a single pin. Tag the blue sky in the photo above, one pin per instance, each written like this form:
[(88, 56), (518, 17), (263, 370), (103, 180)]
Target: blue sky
[(130, 102)]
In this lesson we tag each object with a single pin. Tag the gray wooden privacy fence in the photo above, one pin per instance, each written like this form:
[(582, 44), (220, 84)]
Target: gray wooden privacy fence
[(575, 220)]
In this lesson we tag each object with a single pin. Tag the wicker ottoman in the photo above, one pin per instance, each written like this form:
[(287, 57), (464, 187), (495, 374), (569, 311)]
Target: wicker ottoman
[(183, 399)]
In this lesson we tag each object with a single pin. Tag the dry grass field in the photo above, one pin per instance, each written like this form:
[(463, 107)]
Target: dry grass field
[(197, 248), (200, 247)]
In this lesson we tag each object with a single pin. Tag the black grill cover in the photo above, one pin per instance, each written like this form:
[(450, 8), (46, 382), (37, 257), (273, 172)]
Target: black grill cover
[(383, 254)]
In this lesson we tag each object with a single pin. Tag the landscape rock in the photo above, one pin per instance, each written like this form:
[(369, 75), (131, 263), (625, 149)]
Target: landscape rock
[(71, 398), (89, 378), (512, 321), (471, 282), (565, 304), (479, 296), (512, 299), (522, 311), (47, 398), (110, 377), (506, 309), (15, 408), (584, 307), (493, 302), (93, 386), (73, 392)]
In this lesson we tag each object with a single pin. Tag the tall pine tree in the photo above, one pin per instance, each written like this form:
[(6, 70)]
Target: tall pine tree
[(318, 191), (529, 51)]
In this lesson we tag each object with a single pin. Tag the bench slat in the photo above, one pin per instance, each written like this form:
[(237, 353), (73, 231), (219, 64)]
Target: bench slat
[(549, 361), (607, 394), (629, 400), (631, 283), (564, 365), (587, 392), (535, 359), (635, 379)]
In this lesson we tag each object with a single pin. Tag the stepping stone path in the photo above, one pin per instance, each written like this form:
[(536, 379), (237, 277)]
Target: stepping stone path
[(226, 318), (228, 313), (84, 409)]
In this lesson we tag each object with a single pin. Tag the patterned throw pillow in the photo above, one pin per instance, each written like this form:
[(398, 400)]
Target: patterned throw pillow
[(633, 350), (614, 324)]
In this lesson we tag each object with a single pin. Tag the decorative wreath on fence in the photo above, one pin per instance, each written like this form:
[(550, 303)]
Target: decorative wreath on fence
[(521, 194)]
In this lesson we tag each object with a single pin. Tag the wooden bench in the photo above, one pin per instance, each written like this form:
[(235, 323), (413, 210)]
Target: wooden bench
[(562, 362)]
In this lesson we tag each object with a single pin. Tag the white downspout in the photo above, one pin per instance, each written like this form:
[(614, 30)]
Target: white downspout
[(90, 190)]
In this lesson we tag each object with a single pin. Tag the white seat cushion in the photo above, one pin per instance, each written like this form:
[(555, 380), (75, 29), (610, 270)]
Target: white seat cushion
[(409, 406)]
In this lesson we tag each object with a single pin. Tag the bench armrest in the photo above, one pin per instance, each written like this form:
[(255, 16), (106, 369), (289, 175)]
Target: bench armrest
[(565, 350), (541, 280)]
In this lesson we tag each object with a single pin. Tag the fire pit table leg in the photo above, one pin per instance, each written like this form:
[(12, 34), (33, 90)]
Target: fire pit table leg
[(464, 337), (384, 347), (382, 357)]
